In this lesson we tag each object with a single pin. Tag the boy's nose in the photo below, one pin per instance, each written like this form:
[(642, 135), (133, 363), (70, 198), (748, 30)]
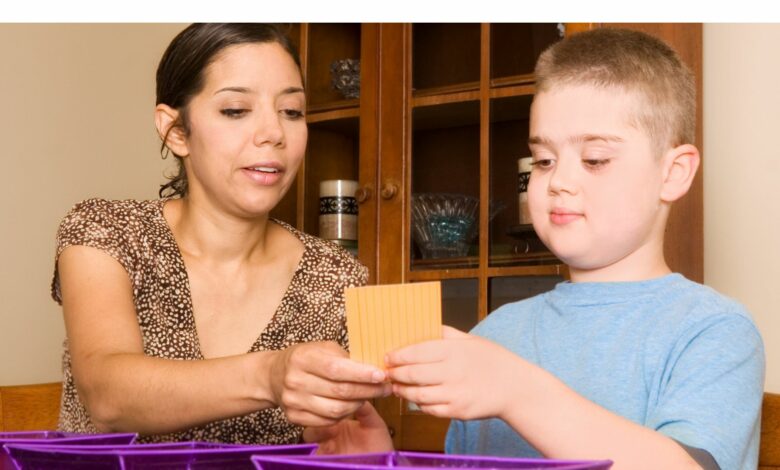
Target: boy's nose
[(268, 129), (563, 177)]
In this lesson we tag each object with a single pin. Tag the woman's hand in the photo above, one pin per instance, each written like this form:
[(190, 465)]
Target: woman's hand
[(460, 376), (318, 385), (365, 433)]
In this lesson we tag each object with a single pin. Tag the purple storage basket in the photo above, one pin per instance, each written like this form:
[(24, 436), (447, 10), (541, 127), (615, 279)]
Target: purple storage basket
[(55, 437), (178, 455), (418, 460)]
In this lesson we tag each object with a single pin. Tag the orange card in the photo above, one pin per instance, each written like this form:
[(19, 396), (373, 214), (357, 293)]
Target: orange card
[(387, 317)]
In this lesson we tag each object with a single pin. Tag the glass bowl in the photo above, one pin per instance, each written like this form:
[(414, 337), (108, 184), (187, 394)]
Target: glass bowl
[(444, 225)]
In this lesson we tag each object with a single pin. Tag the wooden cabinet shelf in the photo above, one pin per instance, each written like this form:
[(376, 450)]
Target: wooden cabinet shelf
[(445, 108), (316, 111)]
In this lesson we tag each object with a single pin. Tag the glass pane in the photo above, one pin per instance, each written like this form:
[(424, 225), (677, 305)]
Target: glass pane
[(445, 185), (329, 43), (459, 305), (516, 46), (503, 290), (512, 239), (445, 55), (332, 154)]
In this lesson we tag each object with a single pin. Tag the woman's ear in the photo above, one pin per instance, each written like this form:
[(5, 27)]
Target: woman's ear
[(679, 166), (168, 127)]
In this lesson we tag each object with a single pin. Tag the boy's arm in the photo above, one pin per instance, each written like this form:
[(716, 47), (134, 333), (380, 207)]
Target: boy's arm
[(467, 377)]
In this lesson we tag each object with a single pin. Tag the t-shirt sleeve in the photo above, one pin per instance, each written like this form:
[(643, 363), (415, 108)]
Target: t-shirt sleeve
[(713, 389), (91, 223), (454, 443)]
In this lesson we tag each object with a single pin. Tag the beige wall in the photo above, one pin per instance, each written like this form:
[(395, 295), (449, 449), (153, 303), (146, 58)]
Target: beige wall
[(742, 174), (76, 121)]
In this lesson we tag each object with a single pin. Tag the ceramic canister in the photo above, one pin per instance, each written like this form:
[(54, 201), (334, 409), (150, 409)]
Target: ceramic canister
[(338, 210)]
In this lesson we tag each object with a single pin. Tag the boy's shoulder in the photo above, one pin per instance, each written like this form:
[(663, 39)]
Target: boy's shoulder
[(670, 303)]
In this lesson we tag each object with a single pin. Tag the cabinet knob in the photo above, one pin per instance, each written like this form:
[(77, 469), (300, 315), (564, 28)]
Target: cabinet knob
[(391, 431), (363, 194), (389, 190)]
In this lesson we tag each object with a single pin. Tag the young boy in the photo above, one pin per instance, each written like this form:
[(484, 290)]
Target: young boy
[(628, 361)]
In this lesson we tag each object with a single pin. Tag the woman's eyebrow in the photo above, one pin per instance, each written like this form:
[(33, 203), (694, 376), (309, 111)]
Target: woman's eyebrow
[(291, 90), (241, 89)]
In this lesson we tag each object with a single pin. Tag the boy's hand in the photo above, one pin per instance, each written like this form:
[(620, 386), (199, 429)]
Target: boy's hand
[(318, 385), (363, 434), (460, 376)]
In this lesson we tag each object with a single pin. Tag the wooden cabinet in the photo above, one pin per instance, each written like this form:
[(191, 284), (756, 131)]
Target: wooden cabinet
[(444, 109)]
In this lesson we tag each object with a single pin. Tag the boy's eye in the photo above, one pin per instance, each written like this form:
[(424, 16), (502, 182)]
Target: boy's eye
[(233, 112), (595, 163), (542, 163), (292, 114)]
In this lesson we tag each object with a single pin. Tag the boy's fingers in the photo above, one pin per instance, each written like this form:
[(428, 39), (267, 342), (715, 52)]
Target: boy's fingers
[(428, 395), (417, 374), (427, 351)]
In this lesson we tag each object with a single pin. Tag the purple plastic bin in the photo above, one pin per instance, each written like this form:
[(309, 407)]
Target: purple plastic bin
[(418, 460), (55, 437), (179, 455)]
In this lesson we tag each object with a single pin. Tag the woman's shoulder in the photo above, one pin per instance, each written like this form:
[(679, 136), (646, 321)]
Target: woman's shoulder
[(101, 218), (107, 208), (328, 257)]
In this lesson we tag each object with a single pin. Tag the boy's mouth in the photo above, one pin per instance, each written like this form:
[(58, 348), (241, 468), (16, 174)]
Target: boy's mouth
[(562, 216)]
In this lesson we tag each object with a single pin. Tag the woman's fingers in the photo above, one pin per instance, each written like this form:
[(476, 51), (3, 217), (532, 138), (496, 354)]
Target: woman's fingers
[(329, 361)]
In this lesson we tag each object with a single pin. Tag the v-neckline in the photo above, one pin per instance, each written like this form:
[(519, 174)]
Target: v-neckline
[(257, 345)]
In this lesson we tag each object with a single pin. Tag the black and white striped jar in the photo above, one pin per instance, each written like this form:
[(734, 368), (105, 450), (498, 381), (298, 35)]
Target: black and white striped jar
[(338, 210)]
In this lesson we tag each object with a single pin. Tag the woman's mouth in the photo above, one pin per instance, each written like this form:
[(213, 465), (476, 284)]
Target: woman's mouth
[(263, 175)]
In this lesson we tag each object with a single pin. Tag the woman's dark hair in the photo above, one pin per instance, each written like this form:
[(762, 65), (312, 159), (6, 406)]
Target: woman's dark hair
[(180, 74)]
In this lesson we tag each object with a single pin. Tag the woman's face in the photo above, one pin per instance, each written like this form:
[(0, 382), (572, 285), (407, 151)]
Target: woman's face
[(247, 129)]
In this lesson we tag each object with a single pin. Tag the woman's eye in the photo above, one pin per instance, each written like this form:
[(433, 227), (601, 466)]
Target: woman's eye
[(292, 114), (234, 112)]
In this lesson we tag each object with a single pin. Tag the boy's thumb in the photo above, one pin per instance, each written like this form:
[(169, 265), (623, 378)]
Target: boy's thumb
[(368, 416), (448, 332)]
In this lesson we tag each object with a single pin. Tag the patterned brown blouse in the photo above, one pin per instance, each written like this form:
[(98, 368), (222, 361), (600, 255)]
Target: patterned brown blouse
[(136, 234)]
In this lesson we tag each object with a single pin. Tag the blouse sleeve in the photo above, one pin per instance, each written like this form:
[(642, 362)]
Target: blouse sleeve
[(94, 223)]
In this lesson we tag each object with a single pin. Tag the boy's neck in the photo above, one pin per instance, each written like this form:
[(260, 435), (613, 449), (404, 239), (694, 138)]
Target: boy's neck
[(639, 266)]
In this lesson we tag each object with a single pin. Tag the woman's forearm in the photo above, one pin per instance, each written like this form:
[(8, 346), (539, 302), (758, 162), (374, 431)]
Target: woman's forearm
[(136, 393)]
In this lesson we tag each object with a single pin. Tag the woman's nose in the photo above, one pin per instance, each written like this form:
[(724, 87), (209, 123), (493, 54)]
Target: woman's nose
[(268, 129)]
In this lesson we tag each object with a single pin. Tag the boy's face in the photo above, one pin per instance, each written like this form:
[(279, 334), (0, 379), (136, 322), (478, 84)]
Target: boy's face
[(595, 184)]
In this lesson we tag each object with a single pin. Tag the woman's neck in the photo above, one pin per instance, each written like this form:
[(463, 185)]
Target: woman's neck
[(208, 233)]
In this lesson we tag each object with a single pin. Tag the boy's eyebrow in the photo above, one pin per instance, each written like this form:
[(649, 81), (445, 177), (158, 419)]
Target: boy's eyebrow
[(538, 140), (592, 137)]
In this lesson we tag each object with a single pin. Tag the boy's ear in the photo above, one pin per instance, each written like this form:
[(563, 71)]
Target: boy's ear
[(166, 120), (679, 166)]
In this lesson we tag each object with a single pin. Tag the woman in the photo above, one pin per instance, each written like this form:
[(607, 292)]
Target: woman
[(196, 316)]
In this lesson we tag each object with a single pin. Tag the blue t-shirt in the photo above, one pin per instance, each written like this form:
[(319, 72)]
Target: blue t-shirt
[(668, 353)]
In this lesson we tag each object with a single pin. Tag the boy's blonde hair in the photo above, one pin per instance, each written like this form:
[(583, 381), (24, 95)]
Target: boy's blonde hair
[(636, 62)]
